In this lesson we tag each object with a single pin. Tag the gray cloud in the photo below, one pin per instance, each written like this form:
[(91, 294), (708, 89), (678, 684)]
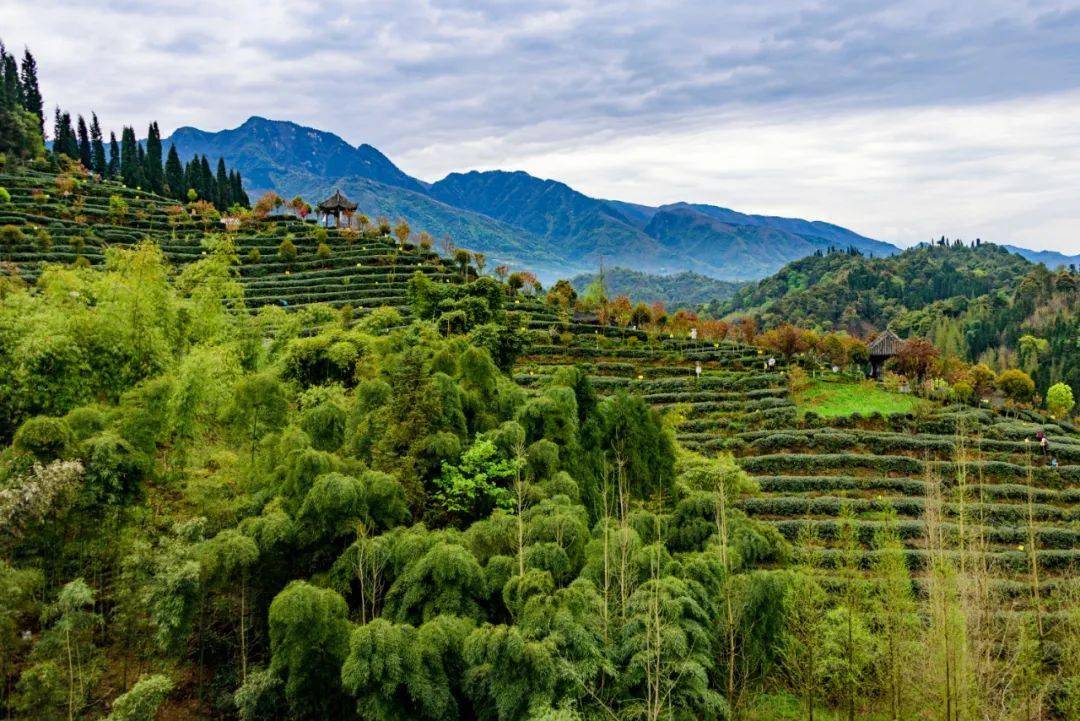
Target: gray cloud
[(498, 81)]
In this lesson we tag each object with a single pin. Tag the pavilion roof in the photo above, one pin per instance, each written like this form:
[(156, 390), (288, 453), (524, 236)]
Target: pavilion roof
[(336, 202), (885, 344)]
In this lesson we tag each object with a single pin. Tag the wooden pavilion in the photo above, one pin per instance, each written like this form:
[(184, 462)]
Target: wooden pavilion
[(335, 205), (881, 349)]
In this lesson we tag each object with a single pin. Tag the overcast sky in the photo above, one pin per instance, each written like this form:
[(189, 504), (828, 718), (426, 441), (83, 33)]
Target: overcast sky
[(902, 121)]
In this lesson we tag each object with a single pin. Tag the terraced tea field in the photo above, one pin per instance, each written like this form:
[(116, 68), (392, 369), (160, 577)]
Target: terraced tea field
[(985, 470), (362, 272)]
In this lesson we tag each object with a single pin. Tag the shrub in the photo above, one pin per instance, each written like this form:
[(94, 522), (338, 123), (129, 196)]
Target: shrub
[(44, 240), (254, 256), (5, 196), (10, 236), (287, 251), (323, 252), (44, 437)]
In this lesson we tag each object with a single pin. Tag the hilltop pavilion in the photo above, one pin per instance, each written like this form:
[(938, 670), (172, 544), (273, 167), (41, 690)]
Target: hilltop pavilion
[(335, 205), (881, 349)]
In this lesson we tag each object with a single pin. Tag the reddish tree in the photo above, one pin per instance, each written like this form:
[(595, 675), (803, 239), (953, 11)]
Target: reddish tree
[(915, 358)]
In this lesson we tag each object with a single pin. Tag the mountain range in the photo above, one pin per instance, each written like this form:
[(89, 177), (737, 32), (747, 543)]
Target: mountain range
[(518, 219)]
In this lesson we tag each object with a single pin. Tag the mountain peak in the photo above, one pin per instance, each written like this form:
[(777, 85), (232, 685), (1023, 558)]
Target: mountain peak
[(265, 151)]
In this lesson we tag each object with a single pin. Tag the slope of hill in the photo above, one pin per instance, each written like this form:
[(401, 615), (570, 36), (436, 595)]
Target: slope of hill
[(680, 290), (842, 290), (579, 227)]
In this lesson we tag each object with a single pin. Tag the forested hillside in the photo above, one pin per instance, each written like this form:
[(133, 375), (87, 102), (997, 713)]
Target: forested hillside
[(256, 468), (679, 290), (977, 302)]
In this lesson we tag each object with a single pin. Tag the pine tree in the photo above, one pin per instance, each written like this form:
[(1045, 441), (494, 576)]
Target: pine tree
[(238, 193), (11, 81), (64, 139), (207, 190), (223, 198), (114, 157), (97, 148), (175, 187), (130, 167), (31, 92), (152, 161), (192, 177), (4, 103), (85, 155)]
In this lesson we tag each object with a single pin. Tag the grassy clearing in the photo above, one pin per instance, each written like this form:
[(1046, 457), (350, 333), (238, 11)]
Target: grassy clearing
[(831, 399)]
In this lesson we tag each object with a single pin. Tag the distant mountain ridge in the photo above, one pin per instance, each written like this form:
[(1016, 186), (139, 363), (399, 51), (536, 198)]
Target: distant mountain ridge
[(518, 219)]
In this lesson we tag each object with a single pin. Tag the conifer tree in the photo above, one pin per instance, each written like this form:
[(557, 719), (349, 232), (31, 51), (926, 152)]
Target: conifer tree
[(114, 157), (130, 167), (64, 139), (238, 193), (175, 187), (97, 148), (223, 197), (4, 102), (11, 81), (85, 156), (207, 191), (152, 160), (30, 91)]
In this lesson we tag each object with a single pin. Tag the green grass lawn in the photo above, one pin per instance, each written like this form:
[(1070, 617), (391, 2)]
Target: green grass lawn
[(830, 399)]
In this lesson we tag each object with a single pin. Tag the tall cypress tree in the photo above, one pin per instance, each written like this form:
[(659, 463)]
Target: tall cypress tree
[(5, 102), (224, 199), (85, 154), (154, 179), (239, 193), (130, 167), (31, 91), (97, 147), (174, 176), (64, 139), (192, 176), (11, 81), (114, 157), (208, 191)]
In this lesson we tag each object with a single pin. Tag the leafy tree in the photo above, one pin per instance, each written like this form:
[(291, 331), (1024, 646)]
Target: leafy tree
[(260, 405), (309, 637), (142, 702), (399, 672), (915, 358), (1059, 400), (478, 484), (446, 580), (230, 555), (1016, 385)]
